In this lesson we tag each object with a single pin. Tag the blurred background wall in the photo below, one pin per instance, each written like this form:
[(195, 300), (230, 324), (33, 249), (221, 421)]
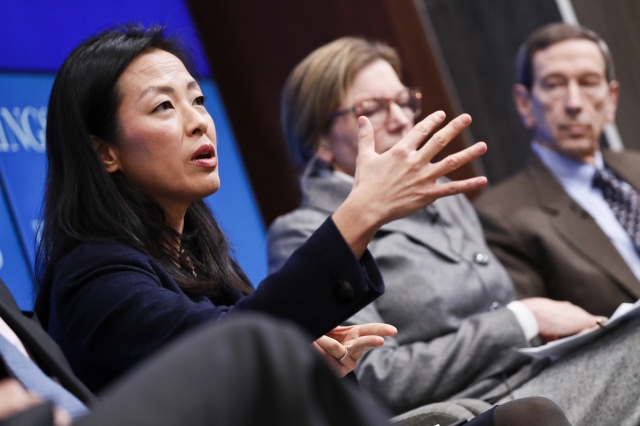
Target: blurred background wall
[(460, 52), (37, 36)]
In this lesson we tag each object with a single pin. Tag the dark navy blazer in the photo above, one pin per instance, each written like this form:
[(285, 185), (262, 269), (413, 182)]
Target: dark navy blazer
[(111, 305)]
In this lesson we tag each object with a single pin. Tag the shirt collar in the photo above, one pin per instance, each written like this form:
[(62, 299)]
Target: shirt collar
[(565, 169)]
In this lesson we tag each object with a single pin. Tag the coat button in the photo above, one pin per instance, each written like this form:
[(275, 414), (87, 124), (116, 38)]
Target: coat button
[(481, 258), (343, 292)]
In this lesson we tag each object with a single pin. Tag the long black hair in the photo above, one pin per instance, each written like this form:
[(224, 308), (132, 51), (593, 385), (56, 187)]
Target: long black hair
[(83, 202)]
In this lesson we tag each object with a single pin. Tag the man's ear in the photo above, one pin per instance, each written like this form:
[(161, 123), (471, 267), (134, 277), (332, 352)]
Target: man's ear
[(324, 151), (522, 98), (108, 154), (612, 105)]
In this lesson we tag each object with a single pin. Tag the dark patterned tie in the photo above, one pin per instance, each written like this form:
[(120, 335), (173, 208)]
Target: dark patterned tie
[(623, 199), (33, 379)]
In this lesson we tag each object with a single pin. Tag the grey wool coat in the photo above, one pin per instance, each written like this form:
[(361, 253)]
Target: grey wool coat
[(446, 294)]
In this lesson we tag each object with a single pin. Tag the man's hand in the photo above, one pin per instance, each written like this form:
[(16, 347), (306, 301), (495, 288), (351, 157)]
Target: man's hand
[(356, 339), (14, 398), (559, 319)]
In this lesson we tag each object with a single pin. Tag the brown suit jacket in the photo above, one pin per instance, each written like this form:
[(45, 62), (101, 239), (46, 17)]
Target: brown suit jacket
[(550, 246)]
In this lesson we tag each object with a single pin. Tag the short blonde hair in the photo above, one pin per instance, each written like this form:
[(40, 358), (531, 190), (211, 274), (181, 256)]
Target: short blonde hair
[(317, 87)]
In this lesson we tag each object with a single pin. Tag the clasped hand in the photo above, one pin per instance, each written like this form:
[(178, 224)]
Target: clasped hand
[(356, 339), (559, 319)]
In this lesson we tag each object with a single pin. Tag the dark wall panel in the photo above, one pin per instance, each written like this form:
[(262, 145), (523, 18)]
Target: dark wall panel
[(618, 22), (479, 40), (253, 45)]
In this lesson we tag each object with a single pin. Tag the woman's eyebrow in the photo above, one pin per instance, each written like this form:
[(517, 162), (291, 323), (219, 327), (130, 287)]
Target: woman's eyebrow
[(161, 89), (166, 89)]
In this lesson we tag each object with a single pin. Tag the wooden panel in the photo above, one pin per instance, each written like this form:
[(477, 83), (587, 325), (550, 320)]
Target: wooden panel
[(479, 40), (424, 64), (253, 45), (616, 21)]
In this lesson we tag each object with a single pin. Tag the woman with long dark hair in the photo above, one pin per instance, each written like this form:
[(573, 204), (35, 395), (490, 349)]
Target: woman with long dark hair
[(130, 255)]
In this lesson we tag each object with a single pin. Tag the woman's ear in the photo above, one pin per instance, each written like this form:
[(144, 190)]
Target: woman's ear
[(324, 151), (108, 153)]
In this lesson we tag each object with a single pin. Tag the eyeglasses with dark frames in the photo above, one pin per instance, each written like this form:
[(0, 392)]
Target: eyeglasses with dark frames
[(377, 109)]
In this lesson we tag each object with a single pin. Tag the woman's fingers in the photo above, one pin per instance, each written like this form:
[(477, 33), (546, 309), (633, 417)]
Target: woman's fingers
[(454, 161), (366, 142), (355, 338), (337, 366), (422, 130), (331, 346), (402, 180), (353, 350), (345, 334), (458, 187), (332, 352), (558, 319), (342, 347), (376, 329), (443, 136), (362, 344)]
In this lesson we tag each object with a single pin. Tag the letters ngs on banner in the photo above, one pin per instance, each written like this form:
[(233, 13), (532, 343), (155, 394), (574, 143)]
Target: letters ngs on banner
[(23, 128)]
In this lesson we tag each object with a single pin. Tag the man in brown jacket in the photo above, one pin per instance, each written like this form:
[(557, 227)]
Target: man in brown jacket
[(566, 227)]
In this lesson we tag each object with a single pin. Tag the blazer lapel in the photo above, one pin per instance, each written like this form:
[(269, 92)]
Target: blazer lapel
[(624, 165), (327, 193), (439, 237), (578, 227)]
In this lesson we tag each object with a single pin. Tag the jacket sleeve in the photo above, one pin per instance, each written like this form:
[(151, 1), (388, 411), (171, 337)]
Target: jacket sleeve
[(509, 247), (320, 285), (405, 375), (110, 308)]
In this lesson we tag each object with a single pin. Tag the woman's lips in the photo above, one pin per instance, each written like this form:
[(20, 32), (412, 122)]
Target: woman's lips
[(205, 156), (210, 163)]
